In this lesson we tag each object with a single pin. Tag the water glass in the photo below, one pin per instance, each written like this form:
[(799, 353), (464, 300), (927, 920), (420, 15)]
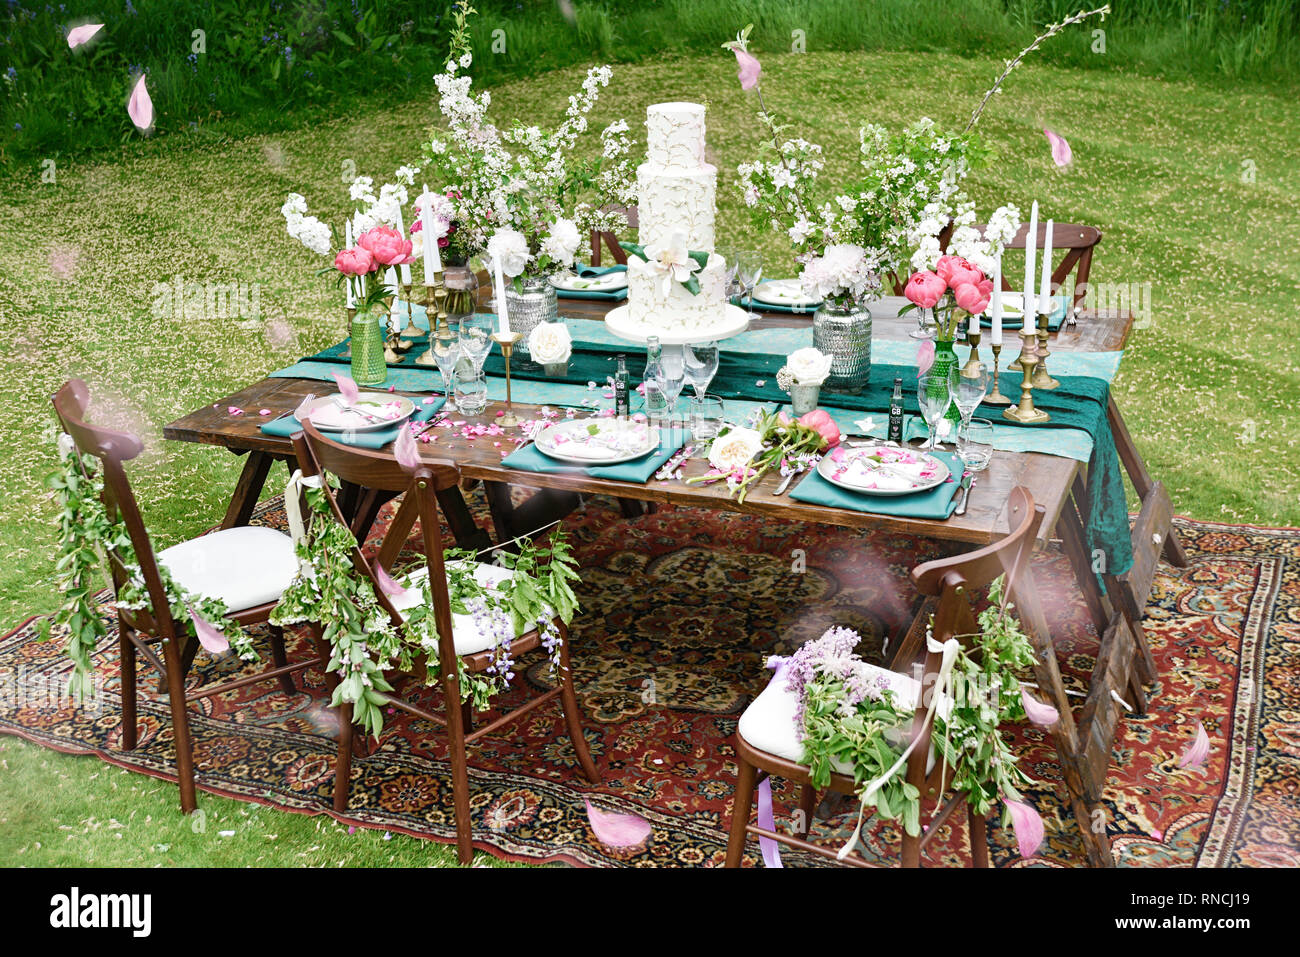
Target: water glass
[(471, 393), (476, 338), (446, 352), (749, 270), (673, 363), (975, 444), (706, 419), (923, 329)]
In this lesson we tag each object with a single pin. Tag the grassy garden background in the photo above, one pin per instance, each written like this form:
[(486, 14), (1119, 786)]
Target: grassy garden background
[(1186, 137)]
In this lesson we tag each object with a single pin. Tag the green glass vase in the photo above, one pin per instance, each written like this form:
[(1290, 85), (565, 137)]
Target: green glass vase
[(368, 366), (945, 358)]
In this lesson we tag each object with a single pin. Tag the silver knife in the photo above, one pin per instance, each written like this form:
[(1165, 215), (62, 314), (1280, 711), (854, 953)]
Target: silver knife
[(967, 481)]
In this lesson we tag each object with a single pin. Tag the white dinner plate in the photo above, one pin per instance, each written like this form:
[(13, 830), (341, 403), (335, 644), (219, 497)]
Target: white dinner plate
[(605, 441), (371, 402), (882, 470), (606, 282), (784, 292)]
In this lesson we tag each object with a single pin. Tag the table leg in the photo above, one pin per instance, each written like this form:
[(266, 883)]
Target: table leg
[(463, 527), (1073, 540), (544, 508), (1143, 484), (248, 489)]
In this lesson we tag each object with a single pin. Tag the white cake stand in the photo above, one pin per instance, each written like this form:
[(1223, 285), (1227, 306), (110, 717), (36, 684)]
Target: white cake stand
[(620, 323)]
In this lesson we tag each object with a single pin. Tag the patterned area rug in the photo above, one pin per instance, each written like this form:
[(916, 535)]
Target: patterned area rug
[(680, 608)]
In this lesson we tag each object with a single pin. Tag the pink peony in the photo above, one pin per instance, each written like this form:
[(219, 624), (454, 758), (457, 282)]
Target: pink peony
[(820, 421), (974, 297), (954, 270), (354, 262), (387, 245), (925, 289)]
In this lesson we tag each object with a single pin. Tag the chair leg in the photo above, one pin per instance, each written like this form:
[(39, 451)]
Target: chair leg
[(180, 727), (572, 713), (979, 838), (911, 850), (467, 716), (281, 659), (742, 805), (807, 805), (126, 663), (343, 760), (459, 775)]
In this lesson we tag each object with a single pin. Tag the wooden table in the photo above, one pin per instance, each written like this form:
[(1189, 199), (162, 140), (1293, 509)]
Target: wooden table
[(1056, 483)]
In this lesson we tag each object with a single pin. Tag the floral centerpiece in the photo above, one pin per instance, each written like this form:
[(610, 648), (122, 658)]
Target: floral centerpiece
[(802, 376), (740, 456), (551, 345)]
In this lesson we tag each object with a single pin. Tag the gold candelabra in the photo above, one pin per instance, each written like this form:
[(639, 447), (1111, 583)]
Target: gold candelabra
[(347, 350), (972, 367), (507, 342), (996, 397), (412, 331), (1025, 413), (1041, 378), (435, 313)]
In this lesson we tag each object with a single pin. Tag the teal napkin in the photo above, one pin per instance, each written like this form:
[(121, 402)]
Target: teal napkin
[(745, 303), (938, 503), (530, 459), (364, 440), (614, 296)]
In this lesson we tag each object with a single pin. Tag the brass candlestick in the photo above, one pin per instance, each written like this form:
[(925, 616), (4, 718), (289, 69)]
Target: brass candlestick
[(435, 313), (1041, 379), (996, 397), (1025, 412), (347, 350), (412, 331), (507, 342), (972, 367)]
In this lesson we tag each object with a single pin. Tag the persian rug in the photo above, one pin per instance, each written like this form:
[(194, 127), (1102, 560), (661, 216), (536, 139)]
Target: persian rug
[(680, 610)]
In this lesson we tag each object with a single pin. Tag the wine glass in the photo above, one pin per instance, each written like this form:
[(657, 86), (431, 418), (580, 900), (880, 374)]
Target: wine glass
[(446, 352), (972, 386), (975, 445), (923, 330), (729, 256), (749, 270), (933, 394), (476, 338), (701, 365), (673, 363)]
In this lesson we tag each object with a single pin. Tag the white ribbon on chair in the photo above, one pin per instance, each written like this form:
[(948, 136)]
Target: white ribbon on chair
[(293, 509), (949, 649)]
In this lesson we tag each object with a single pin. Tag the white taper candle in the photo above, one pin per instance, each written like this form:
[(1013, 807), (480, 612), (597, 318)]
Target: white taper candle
[(995, 307), (1045, 303), (1031, 246)]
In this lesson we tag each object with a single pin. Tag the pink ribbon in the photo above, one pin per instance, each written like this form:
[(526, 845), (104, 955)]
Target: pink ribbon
[(771, 850)]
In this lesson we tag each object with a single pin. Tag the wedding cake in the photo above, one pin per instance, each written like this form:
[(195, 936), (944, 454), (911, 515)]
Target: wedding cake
[(675, 203)]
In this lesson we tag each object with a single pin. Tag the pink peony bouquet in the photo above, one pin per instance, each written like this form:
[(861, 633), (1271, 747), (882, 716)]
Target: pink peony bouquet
[(741, 456), (955, 289)]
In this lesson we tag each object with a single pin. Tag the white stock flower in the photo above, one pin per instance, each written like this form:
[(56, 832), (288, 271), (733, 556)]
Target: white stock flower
[(313, 234), (509, 248), (550, 342), (294, 204), (809, 366), (733, 450), (562, 242)]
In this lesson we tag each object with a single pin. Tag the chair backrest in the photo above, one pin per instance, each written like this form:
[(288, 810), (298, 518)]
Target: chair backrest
[(1076, 241), (113, 447), (610, 240), (377, 470)]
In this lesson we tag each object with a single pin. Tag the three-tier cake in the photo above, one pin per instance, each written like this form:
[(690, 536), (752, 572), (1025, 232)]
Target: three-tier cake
[(675, 202)]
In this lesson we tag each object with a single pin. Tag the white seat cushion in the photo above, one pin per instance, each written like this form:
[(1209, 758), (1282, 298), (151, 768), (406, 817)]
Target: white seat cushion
[(243, 566), (468, 637), (768, 722)]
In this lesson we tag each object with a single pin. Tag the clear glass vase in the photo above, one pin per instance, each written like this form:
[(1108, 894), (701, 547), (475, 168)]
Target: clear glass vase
[(529, 309), (462, 292), (842, 330)]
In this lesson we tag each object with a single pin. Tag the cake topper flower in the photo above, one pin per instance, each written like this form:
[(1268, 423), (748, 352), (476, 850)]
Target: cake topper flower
[(672, 261)]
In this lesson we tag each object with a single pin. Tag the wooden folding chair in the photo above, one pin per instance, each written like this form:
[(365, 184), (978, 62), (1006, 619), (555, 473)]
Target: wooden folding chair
[(1076, 241), (376, 470), (767, 741), (247, 567), (610, 240)]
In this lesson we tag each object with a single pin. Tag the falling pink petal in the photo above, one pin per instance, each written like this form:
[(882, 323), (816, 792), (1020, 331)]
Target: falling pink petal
[(234, 410), (924, 357), (617, 830), (1198, 751), (79, 35), (1038, 712), (140, 107), (387, 585), (211, 639), (750, 68), (405, 451), (347, 388), (1062, 155), (1028, 827)]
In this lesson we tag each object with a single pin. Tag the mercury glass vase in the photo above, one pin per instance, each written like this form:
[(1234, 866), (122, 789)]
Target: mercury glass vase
[(529, 309), (803, 398), (842, 330), (368, 366)]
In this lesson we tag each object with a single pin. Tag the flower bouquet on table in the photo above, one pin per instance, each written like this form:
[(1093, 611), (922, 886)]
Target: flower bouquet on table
[(551, 345), (741, 456), (802, 376)]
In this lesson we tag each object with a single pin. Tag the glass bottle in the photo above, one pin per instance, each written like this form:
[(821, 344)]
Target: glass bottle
[(656, 401), (896, 413), (621, 377)]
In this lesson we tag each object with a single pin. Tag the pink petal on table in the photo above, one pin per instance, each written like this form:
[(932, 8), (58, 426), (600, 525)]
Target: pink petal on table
[(234, 410), (1028, 827), (428, 400), (263, 411), (79, 35), (617, 830), (387, 585), (347, 387), (405, 451), (1198, 751), (1062, 155), (211, 639), (140, 107), (924, 357), (750, 68), (1037, 711)]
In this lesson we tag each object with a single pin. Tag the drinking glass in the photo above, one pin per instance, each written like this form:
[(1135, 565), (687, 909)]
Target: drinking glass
[(923, 329), (706, 419), (975, 444), (701, 365), (476, 338), (972, 386), (749, 270), (673, 363), (471, 393), (446, 352), (933, 393), (729, 256)]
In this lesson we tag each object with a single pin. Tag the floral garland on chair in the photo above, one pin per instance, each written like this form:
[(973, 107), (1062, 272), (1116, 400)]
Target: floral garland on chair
[(86, 537), (363, 640), (846, 715)]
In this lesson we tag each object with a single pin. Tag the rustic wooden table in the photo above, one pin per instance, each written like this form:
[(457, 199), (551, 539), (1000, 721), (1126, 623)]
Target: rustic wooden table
[(1056, 483)]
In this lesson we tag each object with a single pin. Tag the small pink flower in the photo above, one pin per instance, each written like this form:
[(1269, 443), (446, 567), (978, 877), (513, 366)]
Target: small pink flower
[(820, 421)]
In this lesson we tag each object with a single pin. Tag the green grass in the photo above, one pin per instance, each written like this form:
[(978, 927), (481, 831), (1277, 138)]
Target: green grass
[(1157, 167)]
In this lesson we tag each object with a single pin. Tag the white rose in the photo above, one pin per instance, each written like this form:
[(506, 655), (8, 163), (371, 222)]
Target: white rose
[(509, 248), (733, 450), (809, 366), (562, 242), (550, 342)]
